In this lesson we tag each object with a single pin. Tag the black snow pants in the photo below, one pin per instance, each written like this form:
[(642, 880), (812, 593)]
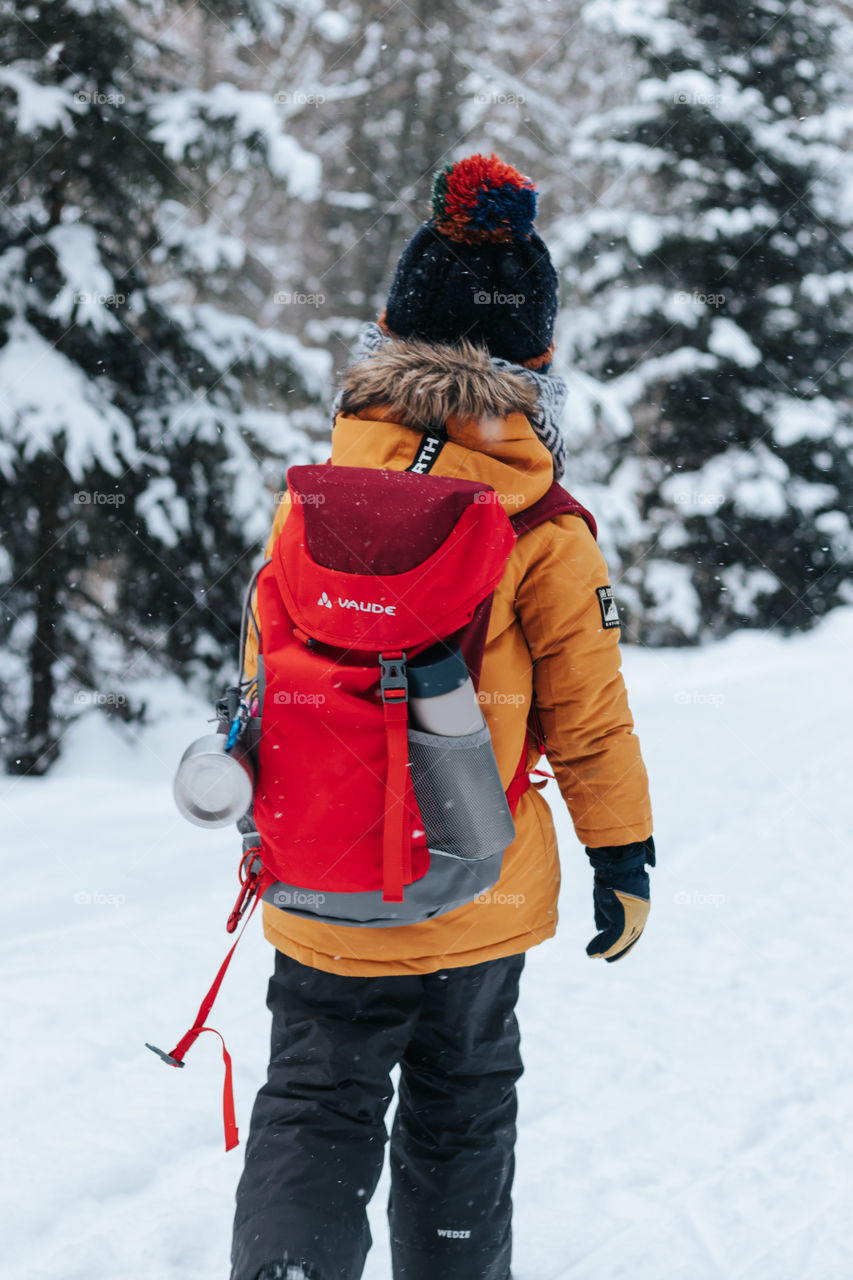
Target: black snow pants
[(316, 1145)]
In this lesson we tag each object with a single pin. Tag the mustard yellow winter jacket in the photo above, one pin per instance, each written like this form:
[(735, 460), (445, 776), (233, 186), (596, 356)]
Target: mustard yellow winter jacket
[(546, 642)]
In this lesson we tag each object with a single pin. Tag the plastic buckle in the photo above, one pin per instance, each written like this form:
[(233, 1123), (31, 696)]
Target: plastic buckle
[(167, 1057), (393, 682)]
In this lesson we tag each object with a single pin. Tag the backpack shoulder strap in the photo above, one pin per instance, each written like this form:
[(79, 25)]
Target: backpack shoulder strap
[(555, 502)]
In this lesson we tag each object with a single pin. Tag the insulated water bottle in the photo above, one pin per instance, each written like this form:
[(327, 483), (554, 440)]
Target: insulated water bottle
[(454, 773), (441, 696)]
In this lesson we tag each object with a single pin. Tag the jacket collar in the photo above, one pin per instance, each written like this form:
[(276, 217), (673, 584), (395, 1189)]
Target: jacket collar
[(390, 398)]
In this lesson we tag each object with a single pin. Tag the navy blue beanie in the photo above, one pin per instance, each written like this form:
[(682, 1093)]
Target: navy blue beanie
[(477, 269)]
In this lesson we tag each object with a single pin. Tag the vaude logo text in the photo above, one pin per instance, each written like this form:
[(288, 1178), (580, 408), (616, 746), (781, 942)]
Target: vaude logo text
[(369, 606)]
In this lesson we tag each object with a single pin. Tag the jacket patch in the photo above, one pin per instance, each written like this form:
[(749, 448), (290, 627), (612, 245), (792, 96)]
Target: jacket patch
[(607, 605)]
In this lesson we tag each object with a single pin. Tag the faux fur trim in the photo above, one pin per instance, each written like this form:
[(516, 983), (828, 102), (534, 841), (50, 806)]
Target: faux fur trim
[(422, 383)]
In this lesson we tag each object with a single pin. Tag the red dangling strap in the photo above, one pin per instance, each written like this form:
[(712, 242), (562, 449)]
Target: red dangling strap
[(253, 888), (541, 773), (229, 1116)]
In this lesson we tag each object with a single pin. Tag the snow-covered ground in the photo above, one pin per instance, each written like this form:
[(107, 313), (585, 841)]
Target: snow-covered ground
[(685, 1113)]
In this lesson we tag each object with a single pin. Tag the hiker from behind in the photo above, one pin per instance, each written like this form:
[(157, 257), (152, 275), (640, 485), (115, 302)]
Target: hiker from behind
[(414, 862)]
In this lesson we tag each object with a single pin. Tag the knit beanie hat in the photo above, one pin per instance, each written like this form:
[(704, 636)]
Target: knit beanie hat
[(477, 269)]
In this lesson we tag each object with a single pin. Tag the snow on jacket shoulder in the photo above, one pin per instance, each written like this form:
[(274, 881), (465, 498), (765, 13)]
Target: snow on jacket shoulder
[(547, 646)]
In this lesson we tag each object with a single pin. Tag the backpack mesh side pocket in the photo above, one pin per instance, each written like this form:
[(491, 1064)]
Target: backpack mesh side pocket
[(460, 795)]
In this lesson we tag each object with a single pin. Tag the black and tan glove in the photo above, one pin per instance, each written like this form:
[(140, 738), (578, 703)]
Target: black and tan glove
[(621, 897)]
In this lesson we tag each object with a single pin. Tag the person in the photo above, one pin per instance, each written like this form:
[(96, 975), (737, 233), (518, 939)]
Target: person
[(465, 339)]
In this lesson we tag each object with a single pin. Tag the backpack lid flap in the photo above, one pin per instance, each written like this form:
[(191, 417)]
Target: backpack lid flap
[(419, 553)]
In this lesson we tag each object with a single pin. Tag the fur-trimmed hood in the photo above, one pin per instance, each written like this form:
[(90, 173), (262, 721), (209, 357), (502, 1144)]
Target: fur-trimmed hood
[(420, 384)]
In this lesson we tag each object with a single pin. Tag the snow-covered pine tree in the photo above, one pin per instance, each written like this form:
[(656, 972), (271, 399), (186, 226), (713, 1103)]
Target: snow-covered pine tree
[(132, 460), (386, 95), (712, 289), (390, 116)]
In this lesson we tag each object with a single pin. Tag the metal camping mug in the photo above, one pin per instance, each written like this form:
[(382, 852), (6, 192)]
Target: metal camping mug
[(213, 787)]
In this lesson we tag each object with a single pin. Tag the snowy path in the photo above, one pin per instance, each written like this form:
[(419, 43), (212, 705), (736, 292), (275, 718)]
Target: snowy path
[(685, 1114)]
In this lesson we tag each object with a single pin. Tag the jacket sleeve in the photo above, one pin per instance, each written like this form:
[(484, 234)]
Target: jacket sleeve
[(251, 652), (578, 688)]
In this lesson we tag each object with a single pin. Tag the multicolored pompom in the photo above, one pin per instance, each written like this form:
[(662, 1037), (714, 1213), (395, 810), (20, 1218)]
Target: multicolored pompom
[(481, 200)]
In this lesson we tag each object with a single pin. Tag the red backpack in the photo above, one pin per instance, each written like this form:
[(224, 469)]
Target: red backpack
[(372, 569)]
